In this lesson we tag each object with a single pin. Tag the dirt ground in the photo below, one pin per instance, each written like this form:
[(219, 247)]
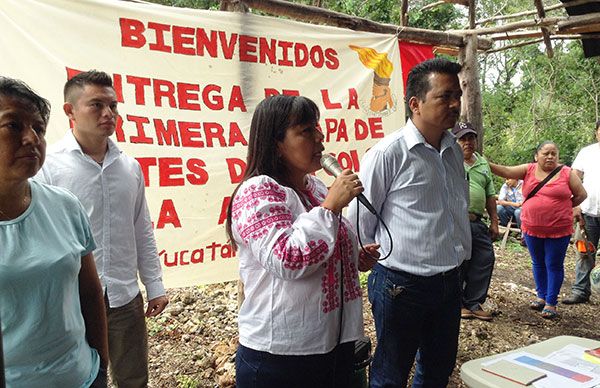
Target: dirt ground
[(193, 343)]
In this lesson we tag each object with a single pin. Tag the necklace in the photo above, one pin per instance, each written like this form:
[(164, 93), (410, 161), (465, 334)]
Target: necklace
[(6, 215)]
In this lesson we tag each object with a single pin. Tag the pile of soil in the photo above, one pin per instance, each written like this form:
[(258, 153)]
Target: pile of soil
[(193, 343)]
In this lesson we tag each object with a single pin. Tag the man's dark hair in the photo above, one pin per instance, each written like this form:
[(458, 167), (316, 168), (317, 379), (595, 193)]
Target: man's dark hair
[(270, 121), (597, 124), (17, 89), (91, 77), (418, 78)]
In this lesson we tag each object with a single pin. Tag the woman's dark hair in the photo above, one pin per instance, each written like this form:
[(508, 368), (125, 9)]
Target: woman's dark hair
[(272, 117), (19, 90), (541, 145)]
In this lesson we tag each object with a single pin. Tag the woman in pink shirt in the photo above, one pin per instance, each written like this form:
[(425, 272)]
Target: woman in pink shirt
[(546, 220)]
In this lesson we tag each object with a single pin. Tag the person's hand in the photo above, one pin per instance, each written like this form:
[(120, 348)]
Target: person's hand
[(518, 204), (156, 306), (345, 187), (367, 260), (494, 231), (578, 216)]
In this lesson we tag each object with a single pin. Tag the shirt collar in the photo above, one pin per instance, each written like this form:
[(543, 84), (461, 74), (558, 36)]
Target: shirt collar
[(414, 137), (71, 144)]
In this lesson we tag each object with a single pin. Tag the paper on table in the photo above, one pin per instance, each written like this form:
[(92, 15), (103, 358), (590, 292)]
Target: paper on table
[(558, 374)]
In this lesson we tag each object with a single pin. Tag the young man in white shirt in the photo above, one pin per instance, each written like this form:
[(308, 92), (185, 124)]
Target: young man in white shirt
[(588, 216), (110, 185)]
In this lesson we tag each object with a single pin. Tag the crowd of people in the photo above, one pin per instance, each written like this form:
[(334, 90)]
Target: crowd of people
[(75, 233)]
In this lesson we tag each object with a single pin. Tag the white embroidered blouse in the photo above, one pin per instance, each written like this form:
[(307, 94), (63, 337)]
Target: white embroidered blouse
[(293, 254)]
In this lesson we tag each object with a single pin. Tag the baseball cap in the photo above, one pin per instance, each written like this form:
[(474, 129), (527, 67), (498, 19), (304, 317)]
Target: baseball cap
[(461, 129)]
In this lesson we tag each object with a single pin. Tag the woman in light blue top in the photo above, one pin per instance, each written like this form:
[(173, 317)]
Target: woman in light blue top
[(51, 305)]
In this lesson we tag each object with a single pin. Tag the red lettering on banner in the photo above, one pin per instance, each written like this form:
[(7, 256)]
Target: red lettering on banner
[(182, 133), (183, 40), (236, 168), (267, 50), (138, 84), (349, 160), (145, 164), (170, 171), (204, 42), (236, 100), (317, 57), (163, 88), (248, 48), (227, 47), (213, 102), (286, 92), (376, 127), (189, 137), (338, 127), (328, 104), (285, 46), (168, 215), (168, 167), (166, 135), (185, 98), (361, 129), (353, 99), (119, 134), (214, 250), (132, 33), (160, 30), (235, 135), (141, 137), (301, 54), (224, 208), (332, 61), (198, 175)]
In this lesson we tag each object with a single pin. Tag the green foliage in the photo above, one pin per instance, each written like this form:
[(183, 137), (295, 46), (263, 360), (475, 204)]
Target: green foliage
[(554, 99), (197, 4), (187, 382)]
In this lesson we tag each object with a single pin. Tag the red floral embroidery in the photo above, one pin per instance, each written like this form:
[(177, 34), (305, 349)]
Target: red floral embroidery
[(294, 257)]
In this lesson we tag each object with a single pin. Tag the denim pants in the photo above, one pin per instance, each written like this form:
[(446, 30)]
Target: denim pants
[(256, 369), (585, 263), (505, 212), (548, 257), (128, 344), (477, 272), (414, 312)]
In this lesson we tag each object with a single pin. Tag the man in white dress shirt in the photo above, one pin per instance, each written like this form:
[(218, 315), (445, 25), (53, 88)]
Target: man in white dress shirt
[(110, 185), (416, 180), (588, 216)]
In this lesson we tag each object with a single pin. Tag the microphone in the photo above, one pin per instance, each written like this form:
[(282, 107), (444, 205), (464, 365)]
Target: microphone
[(331, 165)]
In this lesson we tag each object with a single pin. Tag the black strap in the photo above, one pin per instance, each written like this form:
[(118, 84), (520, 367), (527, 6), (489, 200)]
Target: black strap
[(542, 183)]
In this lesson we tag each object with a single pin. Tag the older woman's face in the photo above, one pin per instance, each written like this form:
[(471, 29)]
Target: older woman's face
[(547, 157), (22, 141)]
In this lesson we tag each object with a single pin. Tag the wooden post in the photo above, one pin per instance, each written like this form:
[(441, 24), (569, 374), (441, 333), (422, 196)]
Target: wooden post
[(469, 80), (404, 13), (233, 6)]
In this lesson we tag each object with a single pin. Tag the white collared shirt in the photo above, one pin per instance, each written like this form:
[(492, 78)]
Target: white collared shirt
[(112, 194), (587, 161), (422, 196)]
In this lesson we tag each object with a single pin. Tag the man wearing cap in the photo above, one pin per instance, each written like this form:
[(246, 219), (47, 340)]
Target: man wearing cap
[(477, 272), (588, 216)]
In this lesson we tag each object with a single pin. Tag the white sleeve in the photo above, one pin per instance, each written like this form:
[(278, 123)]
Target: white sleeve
[(288, 245)]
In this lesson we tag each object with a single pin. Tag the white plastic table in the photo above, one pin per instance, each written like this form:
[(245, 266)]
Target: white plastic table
[(474, 377)]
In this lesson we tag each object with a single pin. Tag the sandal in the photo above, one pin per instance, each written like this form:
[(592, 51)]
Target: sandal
[(537, 305), (549, 314)]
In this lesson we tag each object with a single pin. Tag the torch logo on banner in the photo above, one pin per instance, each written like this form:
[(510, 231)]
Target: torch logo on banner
[(381, 99)]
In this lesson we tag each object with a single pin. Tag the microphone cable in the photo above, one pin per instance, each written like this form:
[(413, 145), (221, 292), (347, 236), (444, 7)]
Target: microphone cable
[(380, 219)]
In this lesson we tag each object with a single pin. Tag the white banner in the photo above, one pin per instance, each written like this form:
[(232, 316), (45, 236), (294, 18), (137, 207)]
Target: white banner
[(188, 82)]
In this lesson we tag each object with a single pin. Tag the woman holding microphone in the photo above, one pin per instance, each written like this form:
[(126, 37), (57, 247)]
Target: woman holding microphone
[(298, 255)]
